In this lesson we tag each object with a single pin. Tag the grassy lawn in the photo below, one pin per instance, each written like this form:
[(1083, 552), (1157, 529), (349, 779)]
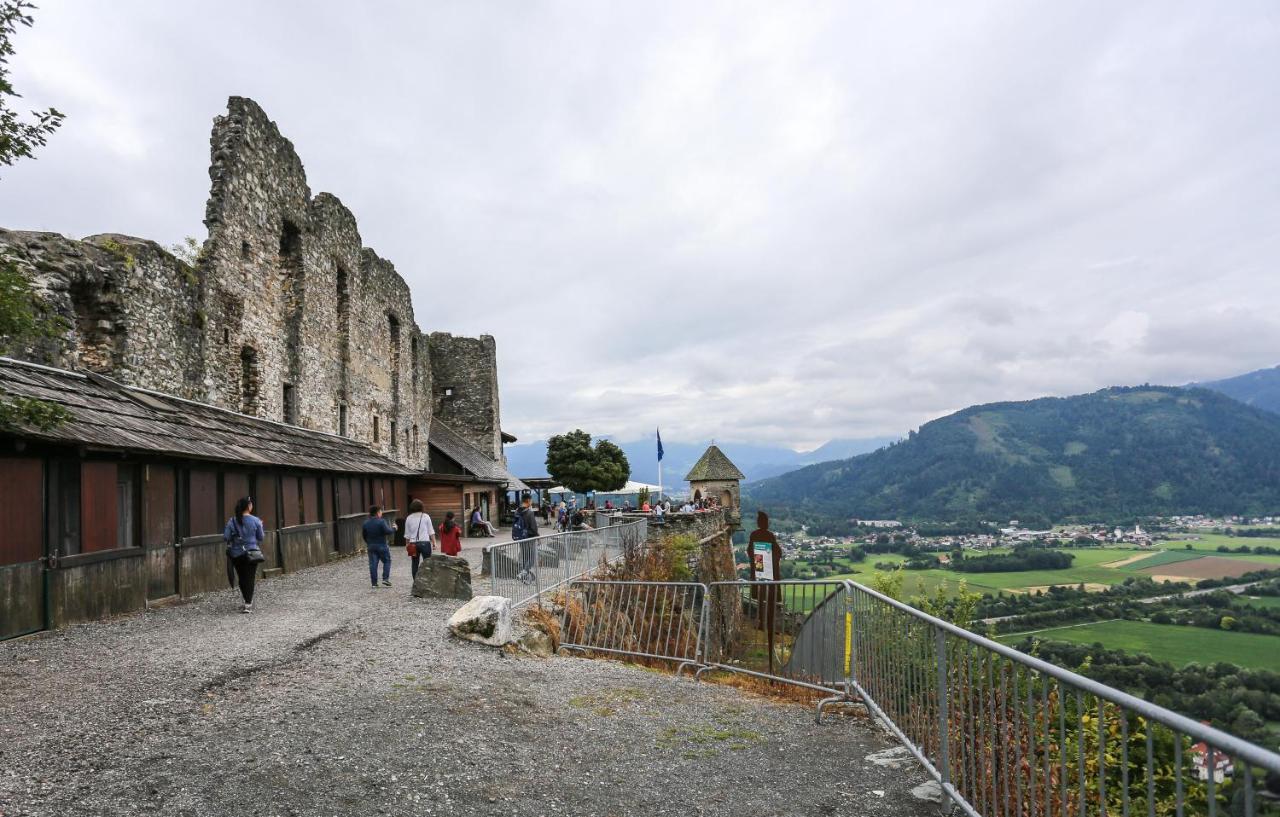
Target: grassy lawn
[(1178, 645)]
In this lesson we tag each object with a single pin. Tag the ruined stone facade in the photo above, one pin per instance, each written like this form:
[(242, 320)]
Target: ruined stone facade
[(465, 388), (284, 315)]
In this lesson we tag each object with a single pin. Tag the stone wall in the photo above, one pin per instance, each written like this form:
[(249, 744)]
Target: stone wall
[(284, 315), (132, 310), (465, 388)]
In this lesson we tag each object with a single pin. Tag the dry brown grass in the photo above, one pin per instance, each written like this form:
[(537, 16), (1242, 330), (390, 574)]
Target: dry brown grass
[(541, 618)]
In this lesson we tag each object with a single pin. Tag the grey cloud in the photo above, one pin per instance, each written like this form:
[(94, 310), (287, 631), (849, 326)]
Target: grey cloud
[(748, 221)]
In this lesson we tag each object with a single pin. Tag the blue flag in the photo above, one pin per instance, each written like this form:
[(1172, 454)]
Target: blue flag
[(659, 444)]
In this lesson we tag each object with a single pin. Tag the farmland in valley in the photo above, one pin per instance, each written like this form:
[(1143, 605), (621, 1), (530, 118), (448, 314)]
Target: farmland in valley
[(1177, 645)]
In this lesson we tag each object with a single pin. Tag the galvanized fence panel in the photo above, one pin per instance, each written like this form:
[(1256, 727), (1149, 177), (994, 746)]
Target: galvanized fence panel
[(1005, 733), (791, 631), (658, 620), (525, 569), (1002, 732)]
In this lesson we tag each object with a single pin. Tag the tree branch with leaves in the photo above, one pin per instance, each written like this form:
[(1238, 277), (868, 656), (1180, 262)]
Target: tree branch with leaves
[(23, 317)]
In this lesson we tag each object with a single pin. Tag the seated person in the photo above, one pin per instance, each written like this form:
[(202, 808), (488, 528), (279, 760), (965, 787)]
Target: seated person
[(479, 523)]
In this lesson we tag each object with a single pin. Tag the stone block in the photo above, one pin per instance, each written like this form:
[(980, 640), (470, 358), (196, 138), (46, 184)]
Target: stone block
[(443, 577)]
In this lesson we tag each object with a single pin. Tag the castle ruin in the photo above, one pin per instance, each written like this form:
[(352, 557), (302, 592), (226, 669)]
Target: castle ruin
[(283, 314)]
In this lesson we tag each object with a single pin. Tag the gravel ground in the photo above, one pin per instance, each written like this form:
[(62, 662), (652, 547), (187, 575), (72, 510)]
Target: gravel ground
[(335, 699)]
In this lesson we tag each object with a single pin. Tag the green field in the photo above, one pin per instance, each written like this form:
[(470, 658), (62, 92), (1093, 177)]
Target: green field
[(1085, 568), (1088, 567), (1177, 645), (1212, 541)]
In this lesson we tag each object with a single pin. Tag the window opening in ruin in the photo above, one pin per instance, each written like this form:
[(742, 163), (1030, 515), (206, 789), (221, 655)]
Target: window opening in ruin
[(375, 428), (415, 440), (226, 336), (407, 449), (290, 405), (342, 420), (393, 435), (95, 310), (413, 362), (290, 247), (344, 305), (448, 391), (246, 250), (248, 380), (393, 326)]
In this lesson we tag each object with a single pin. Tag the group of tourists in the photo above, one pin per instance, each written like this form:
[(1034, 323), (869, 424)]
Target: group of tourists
[(244, 535)]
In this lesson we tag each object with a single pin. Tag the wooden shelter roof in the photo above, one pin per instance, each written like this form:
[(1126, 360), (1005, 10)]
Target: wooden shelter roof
[(110, 415)]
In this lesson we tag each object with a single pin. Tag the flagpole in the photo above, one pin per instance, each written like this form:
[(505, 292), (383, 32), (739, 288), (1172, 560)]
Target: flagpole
[(658, 433)]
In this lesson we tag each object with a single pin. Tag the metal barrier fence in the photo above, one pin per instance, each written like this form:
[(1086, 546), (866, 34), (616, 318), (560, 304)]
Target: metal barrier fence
[(788, 631), (1003, 733), (1006, 733), (661, 620), (525, 569)]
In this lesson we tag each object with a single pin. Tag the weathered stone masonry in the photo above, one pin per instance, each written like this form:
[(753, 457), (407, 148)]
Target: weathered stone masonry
[(285, 315)]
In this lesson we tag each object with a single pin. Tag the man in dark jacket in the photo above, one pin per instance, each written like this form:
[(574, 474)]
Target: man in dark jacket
[(375, 531), (528, 547)]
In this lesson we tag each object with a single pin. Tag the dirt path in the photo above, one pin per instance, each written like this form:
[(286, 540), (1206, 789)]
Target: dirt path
[(335, 699)]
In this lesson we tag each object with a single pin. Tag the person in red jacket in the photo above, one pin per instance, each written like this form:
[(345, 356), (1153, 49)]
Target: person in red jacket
[(450, 536)]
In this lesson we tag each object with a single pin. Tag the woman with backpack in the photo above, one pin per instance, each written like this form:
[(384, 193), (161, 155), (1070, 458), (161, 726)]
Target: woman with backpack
[(418, 534), (450, 536), (243, 535)]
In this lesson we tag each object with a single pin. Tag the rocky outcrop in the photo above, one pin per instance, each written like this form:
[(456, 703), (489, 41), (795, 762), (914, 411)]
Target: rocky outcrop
[(443, 577), (484, 619)]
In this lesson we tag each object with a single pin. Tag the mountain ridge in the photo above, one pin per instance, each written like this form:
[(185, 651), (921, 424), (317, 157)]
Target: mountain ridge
[(1121, 451)]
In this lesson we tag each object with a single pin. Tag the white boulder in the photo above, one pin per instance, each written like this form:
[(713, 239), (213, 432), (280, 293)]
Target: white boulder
[(484, 619)]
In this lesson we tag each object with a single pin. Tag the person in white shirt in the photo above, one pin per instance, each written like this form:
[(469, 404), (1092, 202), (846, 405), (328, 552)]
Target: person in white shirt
[(419, 530)]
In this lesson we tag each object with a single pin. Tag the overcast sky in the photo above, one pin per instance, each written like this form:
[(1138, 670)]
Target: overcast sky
[(773, 222)]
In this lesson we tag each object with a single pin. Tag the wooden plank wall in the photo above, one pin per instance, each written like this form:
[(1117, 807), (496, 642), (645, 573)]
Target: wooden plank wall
[(21, 524), (204, 515), (98, 508)]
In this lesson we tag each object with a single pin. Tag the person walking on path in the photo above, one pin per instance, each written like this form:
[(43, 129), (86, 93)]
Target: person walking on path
[(375, 531), (419, 532), (243, 535), (527, 528), (450, 536)]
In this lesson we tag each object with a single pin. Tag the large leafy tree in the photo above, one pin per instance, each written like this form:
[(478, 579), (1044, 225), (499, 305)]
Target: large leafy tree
[(582, 467), (23, 319)]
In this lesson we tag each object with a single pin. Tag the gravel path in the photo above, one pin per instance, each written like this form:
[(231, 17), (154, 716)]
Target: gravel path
[(335, 699)]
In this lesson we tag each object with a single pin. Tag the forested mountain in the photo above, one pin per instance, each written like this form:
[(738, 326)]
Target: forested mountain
[(1113, 454), (1260, 388)]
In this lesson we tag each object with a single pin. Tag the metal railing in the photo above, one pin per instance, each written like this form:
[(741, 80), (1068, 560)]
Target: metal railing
[(658, 620), (785, 631), (525, 569), (1003, 733)]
